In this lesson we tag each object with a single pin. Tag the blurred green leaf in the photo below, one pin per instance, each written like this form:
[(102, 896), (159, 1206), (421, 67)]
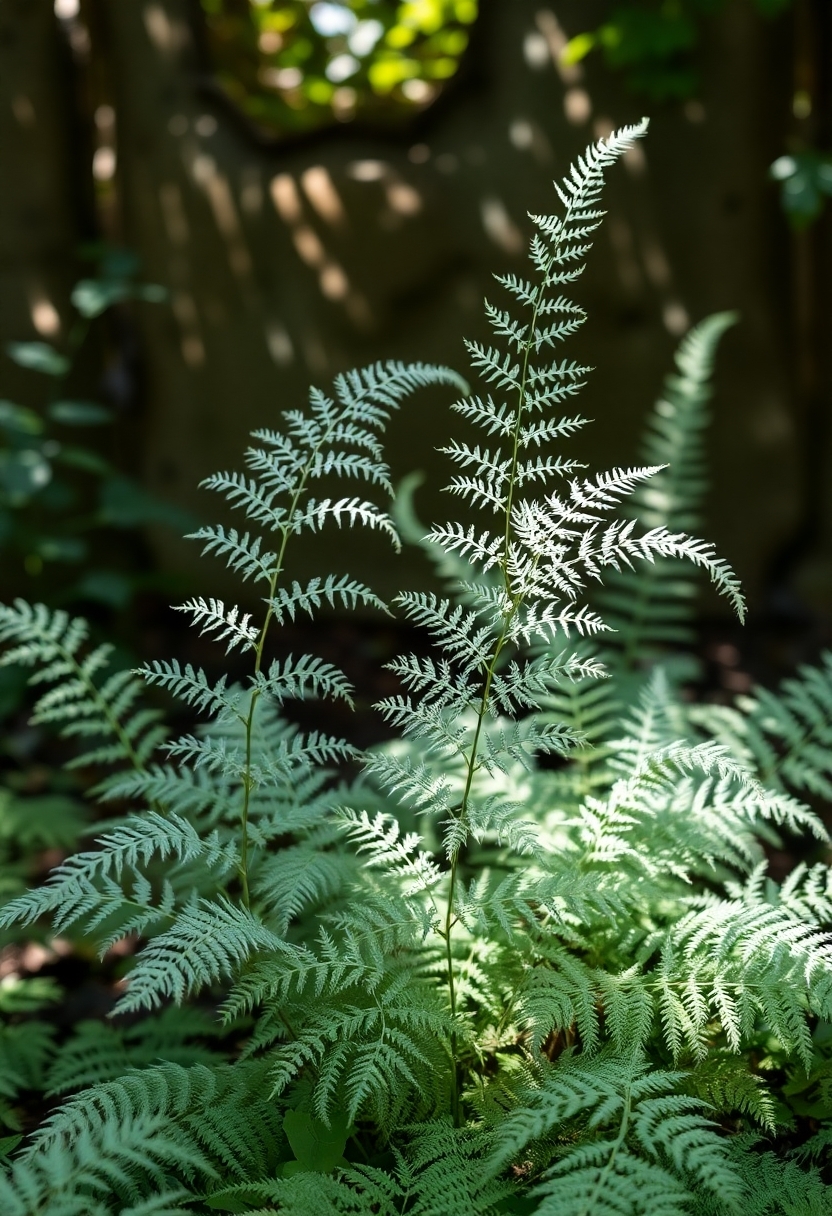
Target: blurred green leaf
[(233, 1201), (153, 293), (578, 48), (61, 549), (27, 995), (43, 822), (113, 261), (805, 178), (93, 296), (125, 504), (79, 413), (105, 587), (18, 418), (82, 458), (23, 473), (8, 1144), (13, 681), (38, 356)]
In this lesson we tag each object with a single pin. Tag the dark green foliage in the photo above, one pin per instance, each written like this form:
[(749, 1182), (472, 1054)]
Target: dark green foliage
[(655, 44), (465, 983), (57, 492)]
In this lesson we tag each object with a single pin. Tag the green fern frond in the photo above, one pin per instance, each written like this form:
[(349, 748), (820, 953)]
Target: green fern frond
[(26, 1051), (86, 883), (101, 1170), (401, 856), (80, 702), (738, 963), (660, 1152), (727, 1084), (202, 1123), (653, 609), (99, 1051), (791, 731), (208, 940), (303, 876)]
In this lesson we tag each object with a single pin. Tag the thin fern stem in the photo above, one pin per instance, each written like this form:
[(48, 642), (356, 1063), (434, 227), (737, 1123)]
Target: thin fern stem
[(471, 764), (113, 721), (258, 662), (471, 761), (260, 650), (600, 1185), (456, 1112)]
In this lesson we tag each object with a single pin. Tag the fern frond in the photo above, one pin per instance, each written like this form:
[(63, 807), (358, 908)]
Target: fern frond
[(306, 676), (192, 686), (315, 513), (728, 1085), (99, 1051), (207, 941), (380, 837), (121, 1160), (653, 609), (303, 876), (790, 731), (241, 550), (344, 590), (78, 702), (78, 888), (212, 615)]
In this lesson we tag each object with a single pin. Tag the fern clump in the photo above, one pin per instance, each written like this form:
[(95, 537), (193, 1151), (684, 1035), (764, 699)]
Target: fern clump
[(464, 982)]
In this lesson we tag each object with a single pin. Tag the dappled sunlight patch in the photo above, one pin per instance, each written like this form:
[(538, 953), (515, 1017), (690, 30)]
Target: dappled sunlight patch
[(295, 67)]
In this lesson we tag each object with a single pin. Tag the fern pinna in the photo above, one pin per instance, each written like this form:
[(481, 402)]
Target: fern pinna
[(464, 982)]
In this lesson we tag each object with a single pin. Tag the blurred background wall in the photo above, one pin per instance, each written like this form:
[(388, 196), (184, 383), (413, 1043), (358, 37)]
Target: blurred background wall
[(288, 255)]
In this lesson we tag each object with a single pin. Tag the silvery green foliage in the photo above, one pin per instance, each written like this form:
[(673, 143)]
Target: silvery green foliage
[(465, 982)]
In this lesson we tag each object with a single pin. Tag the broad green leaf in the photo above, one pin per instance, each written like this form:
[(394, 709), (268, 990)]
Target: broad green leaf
[(24, 473), (8, 1144), (79, 413), (106, 587), (82, 458), (38, 356), (93, 296), (125, 504), (316, 1146), (18, 418)]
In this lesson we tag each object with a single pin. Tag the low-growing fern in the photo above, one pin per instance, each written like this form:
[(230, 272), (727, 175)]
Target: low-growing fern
[(530, 959)]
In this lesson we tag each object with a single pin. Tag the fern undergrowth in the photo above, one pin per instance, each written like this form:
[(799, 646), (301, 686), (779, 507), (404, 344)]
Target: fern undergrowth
[(466, 982)]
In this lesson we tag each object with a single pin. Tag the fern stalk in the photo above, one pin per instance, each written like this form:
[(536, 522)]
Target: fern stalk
[(260, 649), (515, 601)]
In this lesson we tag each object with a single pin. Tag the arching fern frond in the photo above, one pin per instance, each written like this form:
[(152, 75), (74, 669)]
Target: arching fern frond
[(653, 608), (84, 700)]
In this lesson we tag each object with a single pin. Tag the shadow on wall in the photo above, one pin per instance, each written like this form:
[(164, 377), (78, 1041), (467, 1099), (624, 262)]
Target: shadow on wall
[(290, 262)]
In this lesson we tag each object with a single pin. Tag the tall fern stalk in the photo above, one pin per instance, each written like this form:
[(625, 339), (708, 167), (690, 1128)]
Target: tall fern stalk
[(531, 542)]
